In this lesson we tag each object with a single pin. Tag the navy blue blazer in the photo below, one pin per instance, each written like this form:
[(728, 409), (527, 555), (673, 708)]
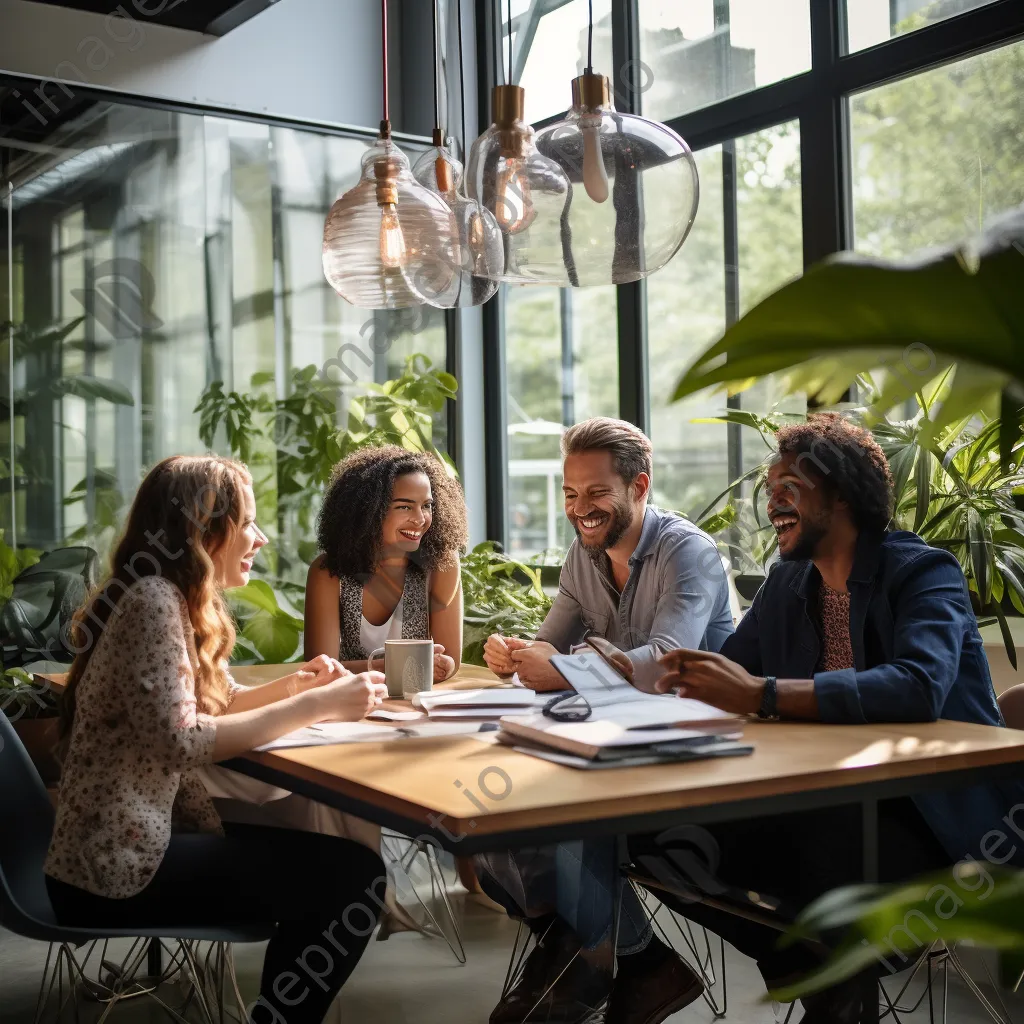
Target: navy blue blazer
[(918, 656)]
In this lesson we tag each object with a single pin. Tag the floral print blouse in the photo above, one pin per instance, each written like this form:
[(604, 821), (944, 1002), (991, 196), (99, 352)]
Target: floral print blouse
[(127, 779)]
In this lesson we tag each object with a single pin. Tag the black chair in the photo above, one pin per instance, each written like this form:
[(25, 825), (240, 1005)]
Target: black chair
[(26, 824)]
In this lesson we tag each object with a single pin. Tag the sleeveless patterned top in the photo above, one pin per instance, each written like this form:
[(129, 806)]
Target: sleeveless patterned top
[(415, 611)]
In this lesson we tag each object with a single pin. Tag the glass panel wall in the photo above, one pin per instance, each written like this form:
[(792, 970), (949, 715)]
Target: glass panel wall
[(154, 254), (562, 366), (698, 52)]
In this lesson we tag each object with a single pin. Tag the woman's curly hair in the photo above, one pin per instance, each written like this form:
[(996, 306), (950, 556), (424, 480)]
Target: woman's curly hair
[(849, 462), (349, 529)]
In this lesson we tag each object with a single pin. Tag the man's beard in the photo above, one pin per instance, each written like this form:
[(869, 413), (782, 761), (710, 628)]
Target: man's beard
[(621, 520), (812, 532)]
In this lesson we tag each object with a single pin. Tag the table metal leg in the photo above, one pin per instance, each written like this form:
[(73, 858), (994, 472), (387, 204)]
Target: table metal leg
[(869, 839), (154, 959), (869, 833)]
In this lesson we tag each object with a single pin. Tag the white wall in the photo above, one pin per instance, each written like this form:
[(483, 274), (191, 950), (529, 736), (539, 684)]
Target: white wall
[(312, 59)]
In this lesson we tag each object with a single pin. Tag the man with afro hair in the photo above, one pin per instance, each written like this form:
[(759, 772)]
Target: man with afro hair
[(856, 623)]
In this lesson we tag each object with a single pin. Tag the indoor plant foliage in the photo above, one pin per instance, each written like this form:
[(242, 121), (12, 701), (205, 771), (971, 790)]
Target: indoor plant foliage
[(291, 446), (959, 307), (501, 595), (39, 363)]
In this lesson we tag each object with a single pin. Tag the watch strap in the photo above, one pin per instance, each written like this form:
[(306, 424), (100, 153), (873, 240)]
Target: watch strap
[(770, 700)]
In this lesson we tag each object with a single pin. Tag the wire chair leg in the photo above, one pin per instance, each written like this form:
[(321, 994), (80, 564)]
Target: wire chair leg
[(198, 983), (701, 963), (954, 960), (44, 992), (518, 958), (125, 978), (434, 866)]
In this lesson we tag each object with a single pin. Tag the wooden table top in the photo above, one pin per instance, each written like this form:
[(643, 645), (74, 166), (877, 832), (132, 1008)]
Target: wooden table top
[(476, 787), (480, 787)]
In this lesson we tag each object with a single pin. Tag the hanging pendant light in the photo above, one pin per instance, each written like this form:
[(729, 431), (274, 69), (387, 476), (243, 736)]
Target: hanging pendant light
[(525, 190), (635, 187), (388, 242), (480, 245)]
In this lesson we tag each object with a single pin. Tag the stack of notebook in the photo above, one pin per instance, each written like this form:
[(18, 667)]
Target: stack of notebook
[(623, 726), (604, 742), (493, 703)]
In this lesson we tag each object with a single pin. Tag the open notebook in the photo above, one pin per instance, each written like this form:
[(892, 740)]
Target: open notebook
[(625, 726)]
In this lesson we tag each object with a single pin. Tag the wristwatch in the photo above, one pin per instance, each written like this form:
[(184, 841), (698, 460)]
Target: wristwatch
[(769, 701)]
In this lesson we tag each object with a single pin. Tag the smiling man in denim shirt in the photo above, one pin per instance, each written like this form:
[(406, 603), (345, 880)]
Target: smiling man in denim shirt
[(647, 581)]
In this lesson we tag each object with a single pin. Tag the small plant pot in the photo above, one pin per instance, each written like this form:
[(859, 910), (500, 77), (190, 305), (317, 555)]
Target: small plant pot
[(40, 737)]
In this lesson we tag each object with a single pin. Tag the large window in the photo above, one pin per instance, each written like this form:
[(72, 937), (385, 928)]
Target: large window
[(869, 22), (698, 52), (169, 251), (936, 155), (562, 368), (549, 48), (747, 241), (883, 126)]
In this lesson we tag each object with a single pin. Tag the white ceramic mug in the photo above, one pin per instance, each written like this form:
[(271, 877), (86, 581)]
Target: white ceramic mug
[(408, 666)]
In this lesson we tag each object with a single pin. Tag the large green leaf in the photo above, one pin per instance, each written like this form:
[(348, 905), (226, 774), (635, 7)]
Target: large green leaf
[(971, 902), (257, 593), (852, 313), (276, 637)]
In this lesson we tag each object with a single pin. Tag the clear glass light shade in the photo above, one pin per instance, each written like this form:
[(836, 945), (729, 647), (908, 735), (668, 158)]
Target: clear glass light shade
[(389, 242), (438, 169), (634, 188), (481, 248), (525, 191)]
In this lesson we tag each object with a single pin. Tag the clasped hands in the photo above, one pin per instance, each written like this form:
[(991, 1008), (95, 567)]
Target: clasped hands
[(531, 659), (342, 695)]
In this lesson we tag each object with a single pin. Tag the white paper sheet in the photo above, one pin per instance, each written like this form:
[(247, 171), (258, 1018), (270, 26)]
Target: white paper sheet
[(493, 713), (494, 697), (333, 732), (386, 715)]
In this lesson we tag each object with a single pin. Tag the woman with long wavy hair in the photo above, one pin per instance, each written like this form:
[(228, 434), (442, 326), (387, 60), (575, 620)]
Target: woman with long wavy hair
[(149, 701)]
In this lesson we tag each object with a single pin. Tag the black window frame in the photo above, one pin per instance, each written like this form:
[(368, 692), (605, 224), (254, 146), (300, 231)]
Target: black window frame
[(816, 99)]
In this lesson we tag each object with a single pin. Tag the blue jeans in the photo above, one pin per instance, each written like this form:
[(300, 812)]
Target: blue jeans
[(579, 881)]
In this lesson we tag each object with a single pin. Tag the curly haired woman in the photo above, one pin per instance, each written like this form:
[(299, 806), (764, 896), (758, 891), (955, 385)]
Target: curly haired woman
[(390, 531)]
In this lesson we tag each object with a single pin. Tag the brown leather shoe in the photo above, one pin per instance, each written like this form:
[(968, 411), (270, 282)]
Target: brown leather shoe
[(664, 985), (556, 985)]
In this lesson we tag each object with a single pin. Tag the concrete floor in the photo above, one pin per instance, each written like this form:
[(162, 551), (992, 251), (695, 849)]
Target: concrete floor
[(410, 979)]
